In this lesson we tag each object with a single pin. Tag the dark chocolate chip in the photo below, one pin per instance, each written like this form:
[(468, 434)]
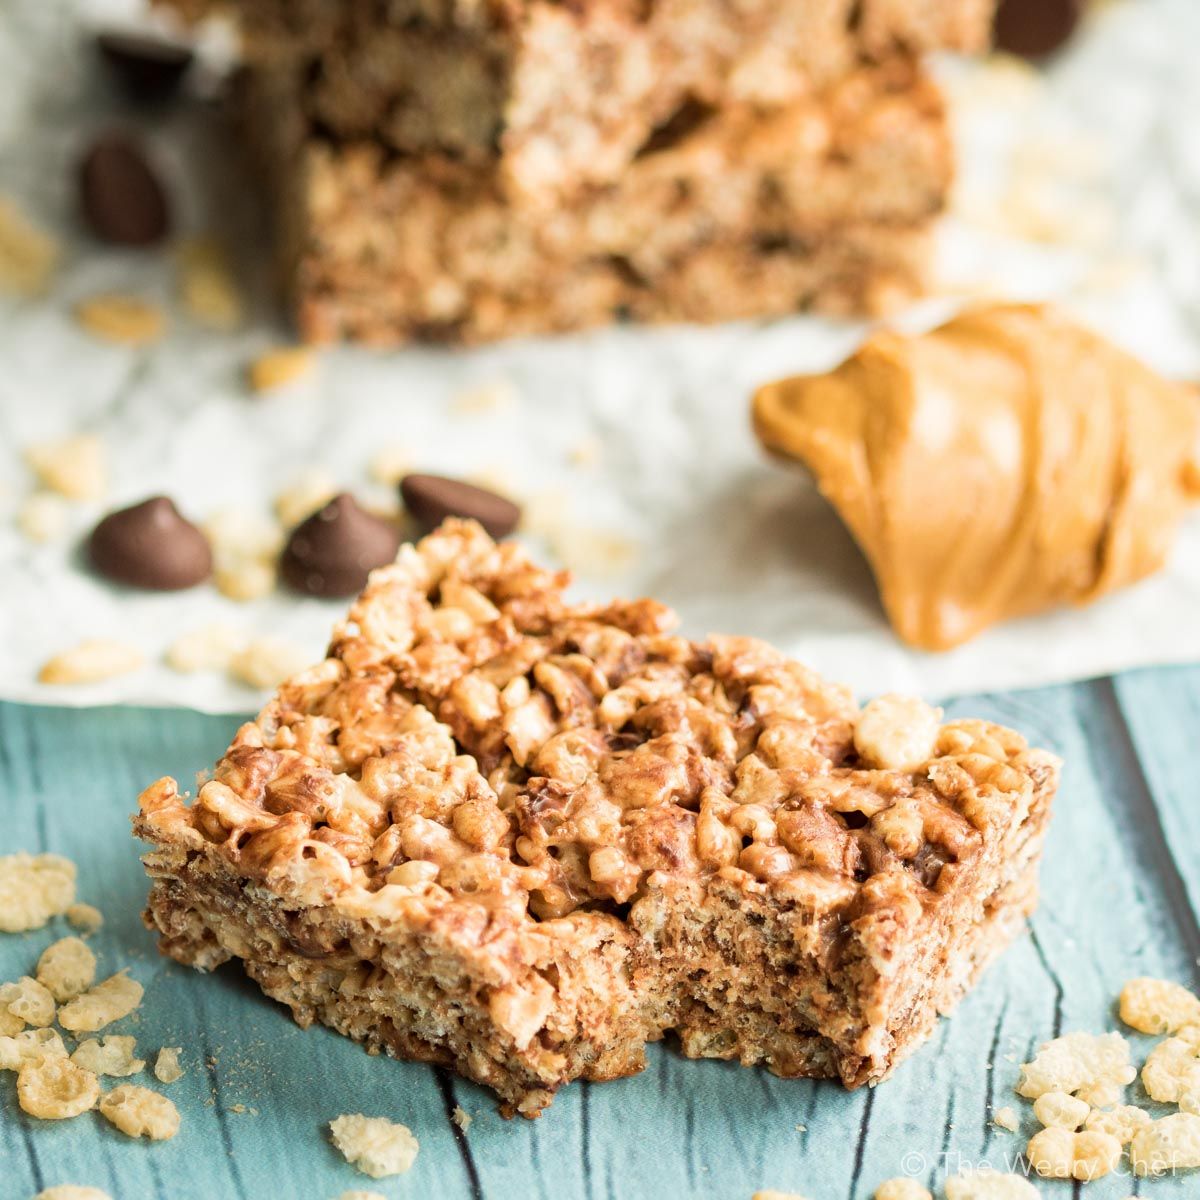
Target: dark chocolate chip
[(149, 545), (432, 498), (121, 196), (333, 552), (1035, 28), (146, 67)]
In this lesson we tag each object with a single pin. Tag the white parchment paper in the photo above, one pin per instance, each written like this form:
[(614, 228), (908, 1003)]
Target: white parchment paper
[(1082, 184)]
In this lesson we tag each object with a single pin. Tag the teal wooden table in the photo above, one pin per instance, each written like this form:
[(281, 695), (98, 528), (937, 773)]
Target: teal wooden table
[(1121, 893)]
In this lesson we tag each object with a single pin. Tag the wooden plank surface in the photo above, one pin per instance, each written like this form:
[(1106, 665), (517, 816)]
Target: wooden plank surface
[(1121, 882)]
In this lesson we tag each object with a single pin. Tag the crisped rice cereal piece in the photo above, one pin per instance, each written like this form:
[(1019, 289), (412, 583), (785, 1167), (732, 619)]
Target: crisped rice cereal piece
[(31, 1045), (10, 1023), (87, 918), (1171, 1073), (279, 367), (75, 467), (111, 1055), (989, 1185), (208, 648), (91, 661), (72, 1191), (109, 1001), (266, 662), (1064, 1154), (376, 1146), (1076, 1061), (139, 1112), (1057, 1110), (902, 1189), (1170, 1144), (897, 733), (34, 889), (114, 317), (29, 1000), (54, 1088), (356, 1194), (1121, 1122), (773, 1195), (67, 968), (44, 517), (1006, 1118), (166, 1066), (1157, 1006)]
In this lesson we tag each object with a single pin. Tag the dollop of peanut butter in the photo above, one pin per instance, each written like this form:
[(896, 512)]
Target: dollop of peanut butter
[(1002, 464)]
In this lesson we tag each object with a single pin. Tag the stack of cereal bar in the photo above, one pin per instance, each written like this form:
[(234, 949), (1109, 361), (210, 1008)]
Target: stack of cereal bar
[(473, 169)]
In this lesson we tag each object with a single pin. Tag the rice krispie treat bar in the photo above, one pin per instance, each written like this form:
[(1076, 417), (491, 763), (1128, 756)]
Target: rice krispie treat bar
[(555, 95), (825, 203), (524, 837)]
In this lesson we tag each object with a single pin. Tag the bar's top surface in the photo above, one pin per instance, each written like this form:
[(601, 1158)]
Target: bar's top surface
[(475, 736)]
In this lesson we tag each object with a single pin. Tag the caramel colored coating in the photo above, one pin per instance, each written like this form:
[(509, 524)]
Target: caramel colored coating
[(1003, 464)]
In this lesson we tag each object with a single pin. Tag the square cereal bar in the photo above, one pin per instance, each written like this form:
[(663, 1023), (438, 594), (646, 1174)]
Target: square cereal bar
[(524, 837), (827, 202), (553, 94)]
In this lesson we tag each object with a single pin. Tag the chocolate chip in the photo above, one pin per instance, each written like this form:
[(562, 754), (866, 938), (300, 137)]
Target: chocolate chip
[(333, 552), (121, 196), (147, 68), (432, 498), (1035, 28), (149, 545)]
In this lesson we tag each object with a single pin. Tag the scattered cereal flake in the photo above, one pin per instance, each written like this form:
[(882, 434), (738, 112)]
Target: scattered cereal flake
[(34, 889), (1169, 1144), (10, 1023), (28, 255), (118, 318), (897, 732), (75, 467), (267, 661), (91, 661), (247, 580), (1058, 1110), (166, 1065), (310, 490), (67, 968), (493, 396), (279, 367), (989, 1185), (1059, 1153), (1157, 1006), (461, 1118), (773, 1195), (390, 464), (356, 1194), (902, 1188), (54, 1088), (207, 286), (107, 1002), (139, 1112), (375, 1145), (29, 1000), (87, 918), (1006, 1118), (72, 1191), (44, 517), (1171, 1073), (1076, 1061), (240, 533), (31, 1045), (208, 648), (1122, 1122), (112, 1055)]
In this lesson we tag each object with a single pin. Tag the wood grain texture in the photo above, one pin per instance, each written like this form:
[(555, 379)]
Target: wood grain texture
[(1121, 883)]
